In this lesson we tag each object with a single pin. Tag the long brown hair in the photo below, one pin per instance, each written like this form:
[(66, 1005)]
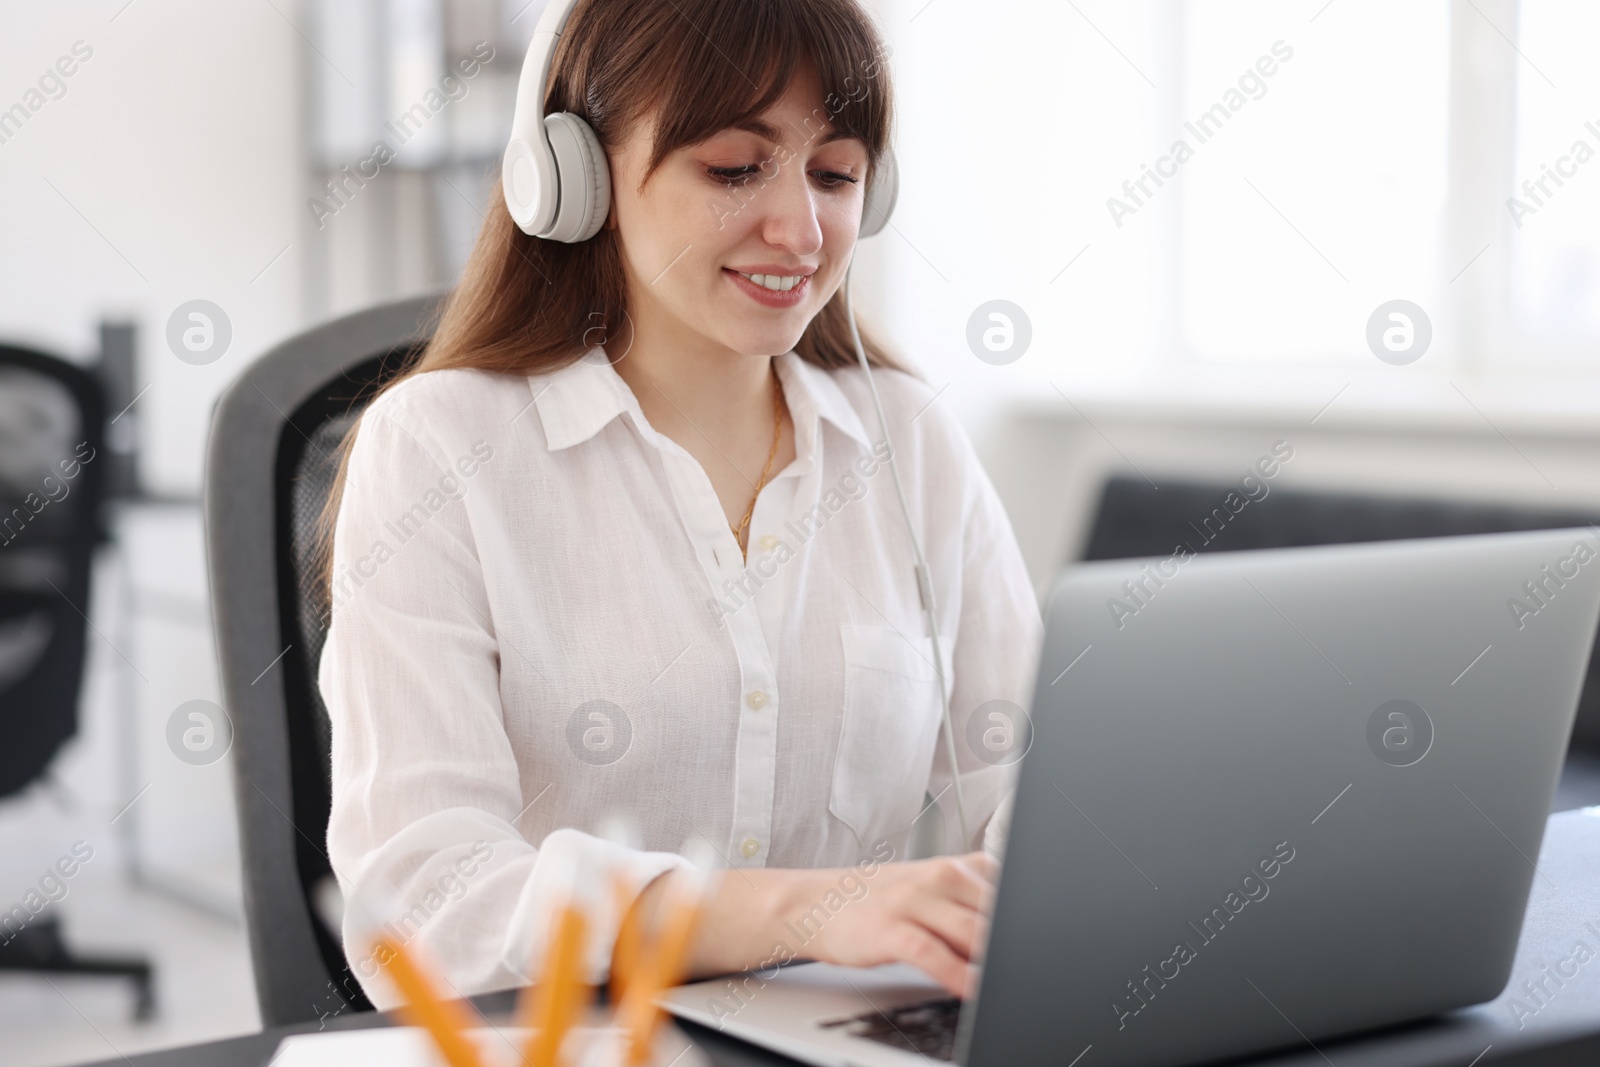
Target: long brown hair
[(526, 305)]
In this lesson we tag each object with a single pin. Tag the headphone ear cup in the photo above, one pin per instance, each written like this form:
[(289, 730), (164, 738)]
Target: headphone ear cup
[(584, 177), (528, 180), (882, 191)]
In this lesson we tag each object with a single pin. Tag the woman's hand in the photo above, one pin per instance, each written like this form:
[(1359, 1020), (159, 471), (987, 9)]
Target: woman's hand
[(933, 914), (930, 913)]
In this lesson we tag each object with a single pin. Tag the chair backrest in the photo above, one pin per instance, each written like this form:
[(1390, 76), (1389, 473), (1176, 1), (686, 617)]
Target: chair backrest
[(52, 456), (1135, 519), (271, 460)]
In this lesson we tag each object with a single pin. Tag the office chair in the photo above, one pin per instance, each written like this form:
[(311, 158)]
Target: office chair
[(52, 431), (270, 464), (1134, 519)]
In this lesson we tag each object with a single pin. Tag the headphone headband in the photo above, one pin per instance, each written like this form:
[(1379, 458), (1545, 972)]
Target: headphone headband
[(554, 174)]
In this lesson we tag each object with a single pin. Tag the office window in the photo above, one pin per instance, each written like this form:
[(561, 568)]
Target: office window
[(1333, 157), (1555, 180), (1012, 130), (1317, 181)]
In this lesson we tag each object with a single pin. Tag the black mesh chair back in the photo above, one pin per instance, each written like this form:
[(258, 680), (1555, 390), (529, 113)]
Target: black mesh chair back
[(1134, 519), (52, 419), (272, 457), (52, 467)]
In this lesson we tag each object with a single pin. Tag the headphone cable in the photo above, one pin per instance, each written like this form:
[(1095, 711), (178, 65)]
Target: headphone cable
[(924, 580)]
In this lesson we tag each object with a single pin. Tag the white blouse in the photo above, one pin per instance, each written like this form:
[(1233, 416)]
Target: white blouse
[(541, 619)]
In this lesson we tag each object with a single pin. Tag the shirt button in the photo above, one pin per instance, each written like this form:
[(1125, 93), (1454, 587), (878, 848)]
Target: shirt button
[(756, 699), (750, 847), (768, 543)]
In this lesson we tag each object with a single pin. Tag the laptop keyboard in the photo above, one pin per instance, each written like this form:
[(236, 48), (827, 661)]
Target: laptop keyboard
[(927, 1027)]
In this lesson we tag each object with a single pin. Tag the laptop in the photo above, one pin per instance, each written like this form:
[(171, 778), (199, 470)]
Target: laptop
[(1271, 798)]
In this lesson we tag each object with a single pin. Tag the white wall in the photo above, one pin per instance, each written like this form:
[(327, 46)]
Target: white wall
[(169, 170)]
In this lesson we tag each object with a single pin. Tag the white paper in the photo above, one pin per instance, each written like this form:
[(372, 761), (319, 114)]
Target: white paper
[(409, 1046)]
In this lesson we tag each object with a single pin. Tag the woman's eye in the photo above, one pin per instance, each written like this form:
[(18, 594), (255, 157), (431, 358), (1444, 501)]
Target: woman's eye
[(829, 179), (833, 179)]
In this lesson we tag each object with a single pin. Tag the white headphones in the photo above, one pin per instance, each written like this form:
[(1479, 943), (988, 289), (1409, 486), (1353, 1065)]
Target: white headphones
[(556, 181)]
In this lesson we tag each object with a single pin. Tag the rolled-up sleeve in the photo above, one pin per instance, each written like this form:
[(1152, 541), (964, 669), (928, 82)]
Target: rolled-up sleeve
[(426, 788), (998, 639)]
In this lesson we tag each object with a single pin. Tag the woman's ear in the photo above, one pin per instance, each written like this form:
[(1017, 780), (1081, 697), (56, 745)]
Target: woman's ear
[(611, 203)]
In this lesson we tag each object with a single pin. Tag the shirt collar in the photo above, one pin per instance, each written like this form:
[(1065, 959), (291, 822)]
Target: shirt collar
[(578, 400), (813, 391)]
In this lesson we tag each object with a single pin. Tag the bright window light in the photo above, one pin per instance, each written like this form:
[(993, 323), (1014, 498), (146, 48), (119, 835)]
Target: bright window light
[(1555, 176), (1316, 192)]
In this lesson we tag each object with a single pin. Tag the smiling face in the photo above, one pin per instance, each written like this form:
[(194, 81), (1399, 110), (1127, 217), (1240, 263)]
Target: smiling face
[(735, 243)]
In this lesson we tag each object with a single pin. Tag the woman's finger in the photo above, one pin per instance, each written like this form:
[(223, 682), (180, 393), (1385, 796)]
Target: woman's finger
[(958, 879), (984, 864), (964, 929), (915, 945)]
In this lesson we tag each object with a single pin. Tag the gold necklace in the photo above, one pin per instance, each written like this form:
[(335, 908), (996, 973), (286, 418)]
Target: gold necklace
[(739, 531)]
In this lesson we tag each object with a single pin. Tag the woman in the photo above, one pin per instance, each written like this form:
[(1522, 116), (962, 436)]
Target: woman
[(622, 543)]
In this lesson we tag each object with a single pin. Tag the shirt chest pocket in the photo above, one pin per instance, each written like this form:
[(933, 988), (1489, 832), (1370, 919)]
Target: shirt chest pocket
[(890, 725)]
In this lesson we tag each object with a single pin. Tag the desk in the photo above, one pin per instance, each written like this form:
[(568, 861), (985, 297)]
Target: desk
[(1558, 1028)]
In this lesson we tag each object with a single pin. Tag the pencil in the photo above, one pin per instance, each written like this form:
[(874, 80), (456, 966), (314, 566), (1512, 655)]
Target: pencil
[(625, 953), (551, 1006), (662, 970), (446, 1021)]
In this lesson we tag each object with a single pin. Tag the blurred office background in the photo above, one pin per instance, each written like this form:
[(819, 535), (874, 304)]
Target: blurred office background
[(203, 152)]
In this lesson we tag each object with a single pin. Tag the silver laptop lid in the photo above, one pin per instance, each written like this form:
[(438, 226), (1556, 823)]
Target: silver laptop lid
[(1277, 796)]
